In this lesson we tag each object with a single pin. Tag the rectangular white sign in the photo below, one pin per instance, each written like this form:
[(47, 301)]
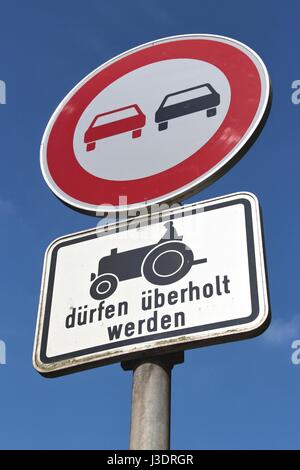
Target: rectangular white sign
[(179, 279)]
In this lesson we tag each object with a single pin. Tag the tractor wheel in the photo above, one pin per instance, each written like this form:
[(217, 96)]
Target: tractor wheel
[(167, 263), (104, 286)]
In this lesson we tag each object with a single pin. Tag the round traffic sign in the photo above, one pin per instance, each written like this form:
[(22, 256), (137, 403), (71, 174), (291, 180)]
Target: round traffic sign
[(155, 123)]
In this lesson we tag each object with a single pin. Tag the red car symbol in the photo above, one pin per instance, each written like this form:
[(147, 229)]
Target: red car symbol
[(127, 119)]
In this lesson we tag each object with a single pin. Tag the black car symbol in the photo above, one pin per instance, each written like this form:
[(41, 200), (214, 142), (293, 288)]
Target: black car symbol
[(162, 263), (187, 101)]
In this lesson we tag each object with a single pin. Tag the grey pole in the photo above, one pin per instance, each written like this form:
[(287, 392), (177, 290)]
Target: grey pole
[(151, 399)]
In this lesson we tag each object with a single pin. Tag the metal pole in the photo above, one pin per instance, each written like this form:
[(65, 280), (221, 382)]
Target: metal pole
[(151, 399)]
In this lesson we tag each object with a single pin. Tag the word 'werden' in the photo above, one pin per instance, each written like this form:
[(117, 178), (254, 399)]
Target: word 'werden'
[(153, 300)]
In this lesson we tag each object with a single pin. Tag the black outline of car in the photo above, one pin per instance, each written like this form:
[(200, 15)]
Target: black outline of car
[(208, 102)]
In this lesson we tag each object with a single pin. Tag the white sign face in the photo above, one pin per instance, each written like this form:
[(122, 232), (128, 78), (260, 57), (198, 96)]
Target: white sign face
[(193, 100), (188, 275)]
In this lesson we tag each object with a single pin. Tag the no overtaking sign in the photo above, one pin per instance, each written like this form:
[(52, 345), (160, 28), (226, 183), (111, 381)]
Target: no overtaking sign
[(155, 123)]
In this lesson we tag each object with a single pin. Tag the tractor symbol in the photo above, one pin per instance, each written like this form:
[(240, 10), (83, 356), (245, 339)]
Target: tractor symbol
[(162, 263)]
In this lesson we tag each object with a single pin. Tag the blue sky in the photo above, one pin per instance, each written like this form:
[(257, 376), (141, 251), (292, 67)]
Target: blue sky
[(242, 395)]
